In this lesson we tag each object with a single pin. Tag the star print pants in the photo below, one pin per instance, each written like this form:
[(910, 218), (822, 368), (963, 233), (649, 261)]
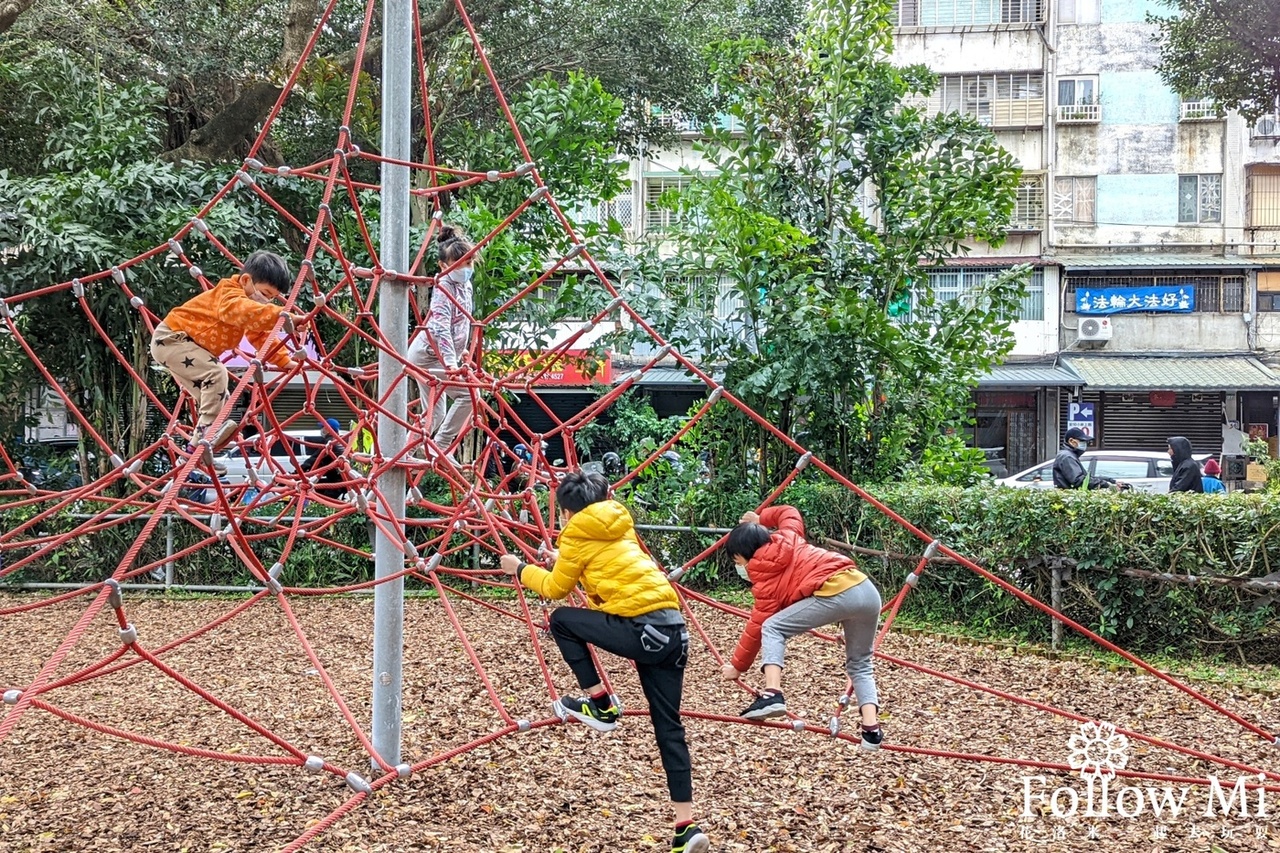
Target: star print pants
[(195, 369)]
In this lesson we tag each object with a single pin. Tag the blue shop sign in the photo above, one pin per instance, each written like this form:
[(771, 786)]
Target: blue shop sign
[(1172, 298)]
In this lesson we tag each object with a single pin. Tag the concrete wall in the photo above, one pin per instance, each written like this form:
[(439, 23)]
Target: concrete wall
[(1134, 333), (971, 52)]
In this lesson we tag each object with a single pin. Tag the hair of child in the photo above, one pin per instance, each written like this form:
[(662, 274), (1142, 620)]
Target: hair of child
[(454, 244), (578, 490), (745, 539), (268, 268)]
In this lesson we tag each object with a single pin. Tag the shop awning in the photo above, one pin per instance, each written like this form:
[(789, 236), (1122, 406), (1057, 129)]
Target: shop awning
[(1030, 376), (662, 376), (1174, 373), (1148, 260)]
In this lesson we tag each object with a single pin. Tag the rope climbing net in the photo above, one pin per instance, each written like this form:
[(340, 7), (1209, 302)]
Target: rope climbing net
[(498, 501)]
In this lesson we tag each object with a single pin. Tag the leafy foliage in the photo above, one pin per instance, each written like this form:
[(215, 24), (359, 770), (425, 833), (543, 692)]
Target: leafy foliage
[(1224, 50), (100, 197), (834, 333)]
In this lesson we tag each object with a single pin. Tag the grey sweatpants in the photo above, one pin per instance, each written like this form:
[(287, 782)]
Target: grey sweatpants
[(857, 609), (445, 429)]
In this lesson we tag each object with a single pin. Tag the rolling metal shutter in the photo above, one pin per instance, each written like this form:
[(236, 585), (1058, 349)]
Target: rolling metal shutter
[(1130, 422)]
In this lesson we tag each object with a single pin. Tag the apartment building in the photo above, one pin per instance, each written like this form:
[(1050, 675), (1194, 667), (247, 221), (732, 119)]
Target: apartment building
[(1153, 221)]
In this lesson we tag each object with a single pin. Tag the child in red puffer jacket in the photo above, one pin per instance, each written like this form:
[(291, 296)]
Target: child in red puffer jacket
[(799, 587)]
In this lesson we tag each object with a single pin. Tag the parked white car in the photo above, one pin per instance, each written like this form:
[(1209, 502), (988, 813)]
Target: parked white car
[(1145, 470), (239, 460)]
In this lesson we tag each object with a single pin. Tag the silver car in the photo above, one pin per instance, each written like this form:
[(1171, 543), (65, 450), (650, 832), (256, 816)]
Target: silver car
[(1144, 470)]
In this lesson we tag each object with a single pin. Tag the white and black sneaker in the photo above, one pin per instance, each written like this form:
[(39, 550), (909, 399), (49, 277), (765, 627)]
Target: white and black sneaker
[(771, 703)]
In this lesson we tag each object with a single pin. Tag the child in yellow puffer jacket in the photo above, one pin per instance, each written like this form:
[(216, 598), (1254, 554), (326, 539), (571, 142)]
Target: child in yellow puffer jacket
[(635, 614)]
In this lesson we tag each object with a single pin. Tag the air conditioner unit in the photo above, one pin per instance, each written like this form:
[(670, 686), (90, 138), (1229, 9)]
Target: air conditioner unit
[(1095, 329)]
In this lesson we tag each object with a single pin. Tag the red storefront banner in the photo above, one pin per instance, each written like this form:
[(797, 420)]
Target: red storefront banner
[(571, 367)]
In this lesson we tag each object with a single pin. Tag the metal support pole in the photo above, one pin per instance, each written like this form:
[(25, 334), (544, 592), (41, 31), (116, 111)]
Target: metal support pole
[(1055, 601), (168, 551), (393, 321)]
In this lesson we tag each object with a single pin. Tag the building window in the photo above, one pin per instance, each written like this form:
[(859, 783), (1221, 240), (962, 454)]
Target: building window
[(1200, 198), (1199, 109), (1078, 99), (1262, 196), (1215, 294), (948, 13), (996, 100), (1020, 11), (1078, 11), (951, 283), (1269, 291), (1266, 127), (1073, 200), (620, 209), (659, 217), (1028, 212)]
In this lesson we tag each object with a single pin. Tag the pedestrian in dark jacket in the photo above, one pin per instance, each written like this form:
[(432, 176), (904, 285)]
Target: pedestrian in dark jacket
[(1186, 471), (1068, 472)]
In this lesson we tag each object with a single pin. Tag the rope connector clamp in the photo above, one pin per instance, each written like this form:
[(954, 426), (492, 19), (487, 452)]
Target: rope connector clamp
[(404, 770), (129, 634), (11, 697), (77, 288), (113, 597), (313, 764), (358, 783)]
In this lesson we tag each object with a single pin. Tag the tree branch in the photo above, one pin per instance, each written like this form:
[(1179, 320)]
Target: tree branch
[(236, 123), (10, 10)]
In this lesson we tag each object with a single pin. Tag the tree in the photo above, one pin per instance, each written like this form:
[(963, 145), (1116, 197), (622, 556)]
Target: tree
[(836, 334), (99, 195), (1225, 50), (222, 70)]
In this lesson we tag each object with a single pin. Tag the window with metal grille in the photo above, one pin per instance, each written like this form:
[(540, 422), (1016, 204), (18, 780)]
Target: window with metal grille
[(1028, 212), (1215, 293), (996, 100), (1201, 109), (951, 283), (620, 208), (659, 217), (1200, 198), (1073, 200), (1262, 196), (949, 13)]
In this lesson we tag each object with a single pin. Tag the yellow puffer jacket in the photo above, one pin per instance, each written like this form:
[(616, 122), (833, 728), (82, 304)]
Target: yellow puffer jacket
[(599, 548)]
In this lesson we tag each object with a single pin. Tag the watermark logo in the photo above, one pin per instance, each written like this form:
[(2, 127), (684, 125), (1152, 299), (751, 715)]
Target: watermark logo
[(1098, 752)]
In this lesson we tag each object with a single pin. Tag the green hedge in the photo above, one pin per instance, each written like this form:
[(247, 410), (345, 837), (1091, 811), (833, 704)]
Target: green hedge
[(1015, 533)]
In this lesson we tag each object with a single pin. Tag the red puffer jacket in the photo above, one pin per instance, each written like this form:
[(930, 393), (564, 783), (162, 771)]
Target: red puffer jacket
[(783, 571)]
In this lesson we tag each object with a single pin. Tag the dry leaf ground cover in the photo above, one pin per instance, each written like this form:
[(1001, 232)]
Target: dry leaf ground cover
[(563, 787)]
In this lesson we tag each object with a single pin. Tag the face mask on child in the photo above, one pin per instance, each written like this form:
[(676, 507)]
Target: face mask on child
[(742, 573), (464, 274)]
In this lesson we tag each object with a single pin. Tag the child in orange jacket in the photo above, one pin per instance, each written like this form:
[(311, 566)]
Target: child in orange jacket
[(799, 587), (192, 336)]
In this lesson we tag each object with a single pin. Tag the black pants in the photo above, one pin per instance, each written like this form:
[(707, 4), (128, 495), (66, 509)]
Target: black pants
[(660, 653)]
